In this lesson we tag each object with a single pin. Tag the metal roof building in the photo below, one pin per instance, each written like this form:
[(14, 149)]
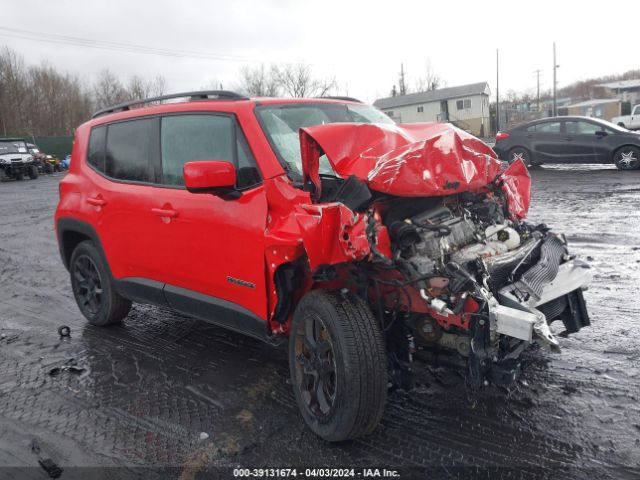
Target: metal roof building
[(466, 106)]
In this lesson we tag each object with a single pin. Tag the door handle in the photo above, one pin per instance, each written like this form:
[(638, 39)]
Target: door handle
[(164, 212), (96, 201), (569, 139)]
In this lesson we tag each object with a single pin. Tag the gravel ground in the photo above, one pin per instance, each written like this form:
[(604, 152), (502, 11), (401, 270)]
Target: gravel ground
[(151, 388)]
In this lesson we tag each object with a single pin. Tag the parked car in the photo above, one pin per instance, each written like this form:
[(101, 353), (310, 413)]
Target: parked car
[(570, 140), (322, 223), (631, 122), (15, 159)]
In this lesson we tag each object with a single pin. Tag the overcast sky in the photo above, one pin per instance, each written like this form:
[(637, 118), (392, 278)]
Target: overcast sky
[(361, 43)]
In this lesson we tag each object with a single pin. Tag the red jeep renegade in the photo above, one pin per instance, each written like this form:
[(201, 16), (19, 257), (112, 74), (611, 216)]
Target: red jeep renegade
[(367, 244)]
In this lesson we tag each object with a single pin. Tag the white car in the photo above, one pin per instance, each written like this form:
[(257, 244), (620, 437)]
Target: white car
[(631, 122)]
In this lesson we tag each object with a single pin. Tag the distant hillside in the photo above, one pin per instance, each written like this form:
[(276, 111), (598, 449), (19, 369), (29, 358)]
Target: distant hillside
[(583, 88)]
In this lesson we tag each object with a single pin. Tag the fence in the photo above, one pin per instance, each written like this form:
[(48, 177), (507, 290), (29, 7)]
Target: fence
[(57, 146)]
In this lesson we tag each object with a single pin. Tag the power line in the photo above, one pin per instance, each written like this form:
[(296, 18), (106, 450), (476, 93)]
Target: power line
[(116, 46)]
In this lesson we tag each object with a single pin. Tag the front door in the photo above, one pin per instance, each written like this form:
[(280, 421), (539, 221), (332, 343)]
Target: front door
[(214, 246), (583, 145)]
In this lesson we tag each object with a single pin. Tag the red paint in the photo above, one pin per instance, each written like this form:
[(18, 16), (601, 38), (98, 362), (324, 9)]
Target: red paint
[(516, 185), (205, 175), (412, 160), (195, 241)]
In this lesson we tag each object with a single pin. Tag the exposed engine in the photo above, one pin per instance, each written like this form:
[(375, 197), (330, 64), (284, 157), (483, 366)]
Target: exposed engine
[(484, 282)]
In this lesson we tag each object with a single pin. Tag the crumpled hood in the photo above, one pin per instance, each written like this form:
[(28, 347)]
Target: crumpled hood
[(411, 160)]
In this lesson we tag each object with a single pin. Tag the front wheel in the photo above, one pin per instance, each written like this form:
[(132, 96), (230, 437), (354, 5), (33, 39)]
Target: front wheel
[(33, 172), (48, 168), (627, 158), (338, 365), (93, 289)]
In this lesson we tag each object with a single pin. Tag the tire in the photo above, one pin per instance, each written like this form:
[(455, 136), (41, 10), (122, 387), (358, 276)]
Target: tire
[(620, 124), (59, 167), (33, 172), (627, 158), (350, 399), (519, 152), (19, 176), (48, 168), (93, 288)]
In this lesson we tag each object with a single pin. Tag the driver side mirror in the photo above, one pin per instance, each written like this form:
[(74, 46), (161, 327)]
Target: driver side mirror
[(601, 133), (209, 176)]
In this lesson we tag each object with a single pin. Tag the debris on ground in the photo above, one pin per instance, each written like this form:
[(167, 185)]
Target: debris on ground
[(52, 469)]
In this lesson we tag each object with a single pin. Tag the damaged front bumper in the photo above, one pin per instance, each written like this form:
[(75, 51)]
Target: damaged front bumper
[(524, 315)]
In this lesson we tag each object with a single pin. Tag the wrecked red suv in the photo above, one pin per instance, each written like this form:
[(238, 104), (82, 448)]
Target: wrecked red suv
[(363, 242)]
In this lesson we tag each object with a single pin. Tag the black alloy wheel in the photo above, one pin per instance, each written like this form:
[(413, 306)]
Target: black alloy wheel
[(87, 285), (315, 365)]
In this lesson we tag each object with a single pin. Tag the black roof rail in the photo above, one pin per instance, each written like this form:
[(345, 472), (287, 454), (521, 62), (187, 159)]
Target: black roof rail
[(346, 99), (201, 95)]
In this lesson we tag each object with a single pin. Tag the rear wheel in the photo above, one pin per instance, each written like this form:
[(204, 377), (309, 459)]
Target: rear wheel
[(627, 158), (48, 168), (338, 365), (33, 172), (93, 289), (19, 176), (59, 167), (519, 153), (620, 124)]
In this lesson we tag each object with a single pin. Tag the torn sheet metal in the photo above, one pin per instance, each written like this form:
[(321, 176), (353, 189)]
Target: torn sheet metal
[(411, 160)]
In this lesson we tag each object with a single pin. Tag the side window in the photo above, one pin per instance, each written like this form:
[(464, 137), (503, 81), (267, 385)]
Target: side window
[(553, 127), (186, 138), (531, 128), (581, 128), (128, 150), (97, 141)]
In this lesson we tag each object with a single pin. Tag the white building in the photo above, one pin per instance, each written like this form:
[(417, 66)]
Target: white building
[(466, 106)]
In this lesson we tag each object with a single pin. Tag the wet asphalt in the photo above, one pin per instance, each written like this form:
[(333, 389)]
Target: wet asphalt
[(144, 395)]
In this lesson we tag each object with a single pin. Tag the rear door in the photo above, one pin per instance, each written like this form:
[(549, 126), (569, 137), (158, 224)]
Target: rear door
[(548, 142), (121, 197)]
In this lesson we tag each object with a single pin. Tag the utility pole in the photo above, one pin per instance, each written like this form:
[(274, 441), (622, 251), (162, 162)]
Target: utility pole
[(497, 94), (403, 86), (555, 66), (537, 72)]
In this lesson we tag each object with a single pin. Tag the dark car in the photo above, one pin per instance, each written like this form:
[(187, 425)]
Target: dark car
[(570, 140)]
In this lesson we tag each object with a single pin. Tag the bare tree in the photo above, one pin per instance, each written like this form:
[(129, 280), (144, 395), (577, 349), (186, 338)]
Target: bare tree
[(430, 80), (138, 88), (259, 81), (108, 90), (297, 80)]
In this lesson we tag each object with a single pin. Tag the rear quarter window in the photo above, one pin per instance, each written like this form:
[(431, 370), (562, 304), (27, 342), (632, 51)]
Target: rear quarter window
[(97, 143), (128, 150)]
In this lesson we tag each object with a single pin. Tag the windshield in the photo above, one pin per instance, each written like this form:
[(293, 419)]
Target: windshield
[(12, 147), (282, 122)]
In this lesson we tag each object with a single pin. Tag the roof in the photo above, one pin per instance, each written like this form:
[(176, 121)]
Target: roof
[(594, 102), (622, 84), (433, 95)]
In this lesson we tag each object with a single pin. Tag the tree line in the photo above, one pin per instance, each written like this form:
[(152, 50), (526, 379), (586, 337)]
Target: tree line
[(40, 100)]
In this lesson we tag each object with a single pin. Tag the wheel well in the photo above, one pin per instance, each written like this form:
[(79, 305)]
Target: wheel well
[(615, 152), (70, 240), (621, 124)]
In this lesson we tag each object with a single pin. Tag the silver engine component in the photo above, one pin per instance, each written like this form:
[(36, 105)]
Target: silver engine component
[(446, 237)]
